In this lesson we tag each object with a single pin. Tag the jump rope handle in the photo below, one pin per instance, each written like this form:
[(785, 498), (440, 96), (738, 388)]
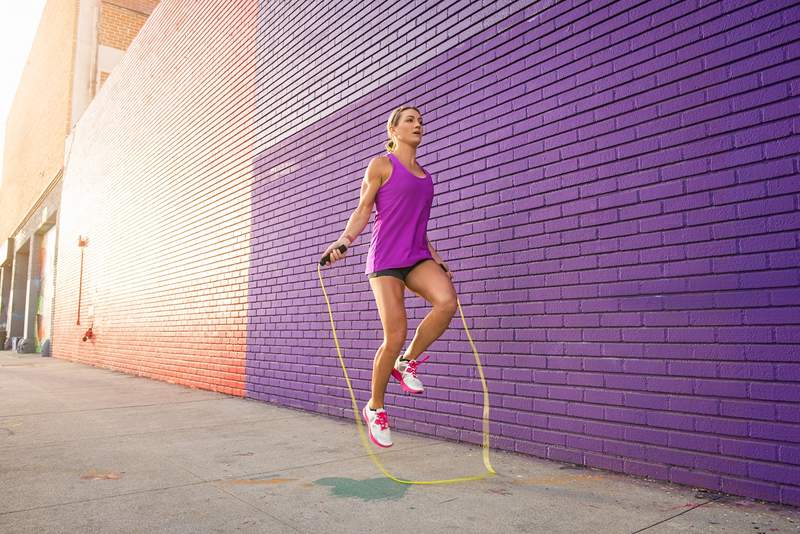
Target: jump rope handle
[(327, 257)]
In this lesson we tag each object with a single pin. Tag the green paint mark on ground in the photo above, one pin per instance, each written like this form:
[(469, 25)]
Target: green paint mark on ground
[(372, 489)]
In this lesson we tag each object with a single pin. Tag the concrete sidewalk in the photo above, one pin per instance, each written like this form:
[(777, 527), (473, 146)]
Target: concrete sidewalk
[(85, 450)]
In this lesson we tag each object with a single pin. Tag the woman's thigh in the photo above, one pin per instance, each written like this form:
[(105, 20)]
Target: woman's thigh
[(430, 282), (390, 298)]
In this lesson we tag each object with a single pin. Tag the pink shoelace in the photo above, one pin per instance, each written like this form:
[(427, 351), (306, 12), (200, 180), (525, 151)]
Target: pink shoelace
[(413, 364), (382, 420)]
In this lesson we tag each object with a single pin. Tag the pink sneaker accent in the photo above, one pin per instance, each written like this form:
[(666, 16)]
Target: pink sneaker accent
[(382, 422), (411, 369)]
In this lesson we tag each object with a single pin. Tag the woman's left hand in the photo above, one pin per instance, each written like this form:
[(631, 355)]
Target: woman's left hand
[(446, 270)]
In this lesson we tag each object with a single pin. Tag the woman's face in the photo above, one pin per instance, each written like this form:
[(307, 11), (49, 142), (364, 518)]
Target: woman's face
[(409, 128)]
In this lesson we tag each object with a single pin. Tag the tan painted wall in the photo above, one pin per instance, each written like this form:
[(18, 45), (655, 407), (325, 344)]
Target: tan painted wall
[(39, 118)]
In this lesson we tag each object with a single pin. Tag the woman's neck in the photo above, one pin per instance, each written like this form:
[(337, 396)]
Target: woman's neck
[(406, 153)]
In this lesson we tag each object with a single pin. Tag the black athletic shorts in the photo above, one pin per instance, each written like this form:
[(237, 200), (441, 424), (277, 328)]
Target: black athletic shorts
[(400, 272)]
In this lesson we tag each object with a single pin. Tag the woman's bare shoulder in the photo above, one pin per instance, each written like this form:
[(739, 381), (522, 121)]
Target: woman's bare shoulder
[(381, 161), (380, 168)]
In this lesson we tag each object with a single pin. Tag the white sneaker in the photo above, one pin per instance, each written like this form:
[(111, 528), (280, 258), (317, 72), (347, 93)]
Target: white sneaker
[(406, 373), (377, 422)]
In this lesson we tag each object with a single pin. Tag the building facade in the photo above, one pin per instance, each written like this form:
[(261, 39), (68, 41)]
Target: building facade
[(77, 45), (616, 191)]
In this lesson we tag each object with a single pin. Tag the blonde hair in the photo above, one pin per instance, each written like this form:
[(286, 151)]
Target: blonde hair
[(394, 119)]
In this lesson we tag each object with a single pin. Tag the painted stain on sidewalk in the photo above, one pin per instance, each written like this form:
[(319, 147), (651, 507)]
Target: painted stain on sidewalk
[(94, 474), (557, 480), (372, 489), (259, 482)]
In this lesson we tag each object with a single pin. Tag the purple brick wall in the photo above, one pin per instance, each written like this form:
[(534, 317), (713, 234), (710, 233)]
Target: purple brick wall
[(617, 189)]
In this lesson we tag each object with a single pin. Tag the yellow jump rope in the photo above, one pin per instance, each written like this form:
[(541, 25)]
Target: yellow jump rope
[(360, 425)]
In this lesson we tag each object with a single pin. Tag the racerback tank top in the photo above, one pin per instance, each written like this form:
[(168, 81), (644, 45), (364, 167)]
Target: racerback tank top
[(403, 206)]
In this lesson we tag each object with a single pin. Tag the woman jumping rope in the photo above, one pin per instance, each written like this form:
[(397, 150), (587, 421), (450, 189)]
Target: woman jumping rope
[(399, 256)]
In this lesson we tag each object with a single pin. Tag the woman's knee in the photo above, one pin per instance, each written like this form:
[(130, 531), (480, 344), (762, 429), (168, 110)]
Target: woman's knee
[(447, 303), (394, 339)]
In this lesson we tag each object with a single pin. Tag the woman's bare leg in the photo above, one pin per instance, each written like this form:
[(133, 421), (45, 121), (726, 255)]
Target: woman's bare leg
[(389, 296), (429, 281)]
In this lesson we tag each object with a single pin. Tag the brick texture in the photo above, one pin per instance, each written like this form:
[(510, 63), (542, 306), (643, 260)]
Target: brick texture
[(118, 25), (616, 191), (140, 6), (164, 205)]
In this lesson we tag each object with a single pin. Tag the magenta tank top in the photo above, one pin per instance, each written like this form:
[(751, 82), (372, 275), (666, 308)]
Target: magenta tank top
[(403, 205)]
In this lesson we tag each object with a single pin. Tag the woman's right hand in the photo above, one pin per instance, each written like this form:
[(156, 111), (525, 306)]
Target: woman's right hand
[(335, 253)]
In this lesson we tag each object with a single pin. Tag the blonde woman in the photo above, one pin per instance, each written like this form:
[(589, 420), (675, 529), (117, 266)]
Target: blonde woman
[(400, 256)]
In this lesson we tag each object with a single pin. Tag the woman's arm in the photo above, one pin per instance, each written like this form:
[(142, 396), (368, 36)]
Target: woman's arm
[(432, 250), (438, 259), (378, 168), (373, 178)]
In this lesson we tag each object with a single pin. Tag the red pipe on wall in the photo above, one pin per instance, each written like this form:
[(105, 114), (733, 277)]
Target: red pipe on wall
[(82, 242)]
